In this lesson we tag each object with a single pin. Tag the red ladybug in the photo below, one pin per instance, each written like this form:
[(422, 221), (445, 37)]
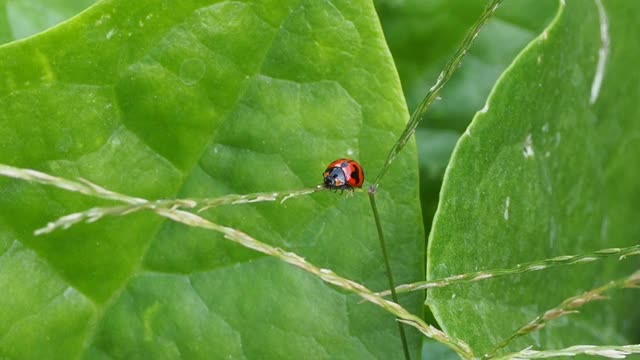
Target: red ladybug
[(343, 174)]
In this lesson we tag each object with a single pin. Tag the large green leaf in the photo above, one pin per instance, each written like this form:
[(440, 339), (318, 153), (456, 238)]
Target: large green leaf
[(166, 99), (547, 170), (19, 19)]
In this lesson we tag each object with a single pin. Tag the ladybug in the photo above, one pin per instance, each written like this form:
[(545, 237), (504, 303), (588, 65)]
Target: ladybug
[(343, 174)]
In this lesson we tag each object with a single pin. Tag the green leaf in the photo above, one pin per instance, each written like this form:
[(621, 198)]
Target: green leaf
[(546, 171), (192, 99), (20, 19)]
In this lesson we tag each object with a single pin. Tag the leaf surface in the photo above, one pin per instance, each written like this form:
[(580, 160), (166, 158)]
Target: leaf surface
[(202, 99), (546, 171), (20, 19)]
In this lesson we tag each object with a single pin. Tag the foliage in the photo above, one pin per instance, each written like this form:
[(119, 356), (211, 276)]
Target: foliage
[(543, 171), (202, 99), (198, 101)]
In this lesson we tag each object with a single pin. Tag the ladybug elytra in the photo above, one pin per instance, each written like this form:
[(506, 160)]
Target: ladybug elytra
[(343, 174)]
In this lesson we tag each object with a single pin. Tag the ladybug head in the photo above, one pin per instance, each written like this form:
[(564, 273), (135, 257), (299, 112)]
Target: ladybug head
[(334, 178), (328, 181)]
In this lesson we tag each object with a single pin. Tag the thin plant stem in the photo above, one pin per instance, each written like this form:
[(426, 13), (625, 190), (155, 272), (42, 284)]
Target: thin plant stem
[(568, 306), (612, 352), (81, 186), (446, 74), (134, 204), (95, 214), (563, 260), (255, 197), (385, 256)]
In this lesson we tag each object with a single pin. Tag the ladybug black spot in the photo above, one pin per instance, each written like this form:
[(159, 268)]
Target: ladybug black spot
[(356, 176)]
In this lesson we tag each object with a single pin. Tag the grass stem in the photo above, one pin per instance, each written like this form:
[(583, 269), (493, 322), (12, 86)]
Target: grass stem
[(387, 264)]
